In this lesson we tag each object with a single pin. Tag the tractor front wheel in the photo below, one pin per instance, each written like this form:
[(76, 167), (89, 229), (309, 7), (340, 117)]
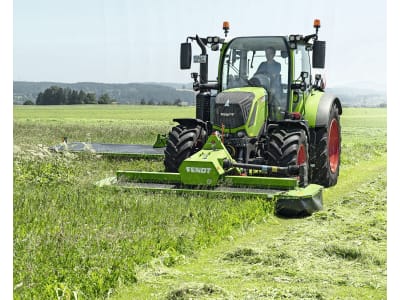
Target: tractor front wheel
[(288, 147), (182, 142)]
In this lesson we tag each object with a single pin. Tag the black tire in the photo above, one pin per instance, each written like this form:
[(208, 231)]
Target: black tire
[(327, 151), (182, 142), (288, 147)]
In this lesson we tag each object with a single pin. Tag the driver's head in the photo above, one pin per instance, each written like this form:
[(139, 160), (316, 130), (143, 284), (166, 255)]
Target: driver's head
[(270, 53)]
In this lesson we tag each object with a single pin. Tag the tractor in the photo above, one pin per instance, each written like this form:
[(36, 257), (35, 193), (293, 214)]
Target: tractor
[(264, 128), (282, 119)]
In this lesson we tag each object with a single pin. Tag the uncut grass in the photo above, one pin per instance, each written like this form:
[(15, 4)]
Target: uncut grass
[(364, 135), (138, 124), (87, 113), (33, 133), (72, 237)]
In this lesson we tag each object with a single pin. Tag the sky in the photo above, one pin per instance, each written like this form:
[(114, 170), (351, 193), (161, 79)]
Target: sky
[(120, 41)]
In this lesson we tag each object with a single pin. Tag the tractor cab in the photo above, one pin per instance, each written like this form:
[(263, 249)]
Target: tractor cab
[(258, 62), (280, 65)]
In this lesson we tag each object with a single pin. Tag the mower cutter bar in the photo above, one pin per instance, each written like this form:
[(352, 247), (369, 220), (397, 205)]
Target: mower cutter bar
[(227, 181), (220, 190), (293, 202), (120, 150)]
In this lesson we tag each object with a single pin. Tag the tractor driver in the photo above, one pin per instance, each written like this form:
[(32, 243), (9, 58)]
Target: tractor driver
[(271, 66), (272, 69)]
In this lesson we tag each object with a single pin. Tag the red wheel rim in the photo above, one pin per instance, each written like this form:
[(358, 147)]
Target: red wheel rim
[(333, 145), (301, 156)]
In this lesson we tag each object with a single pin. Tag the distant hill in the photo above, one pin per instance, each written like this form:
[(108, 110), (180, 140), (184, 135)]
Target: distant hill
[(353, 95), (125, 93), (360, 95)]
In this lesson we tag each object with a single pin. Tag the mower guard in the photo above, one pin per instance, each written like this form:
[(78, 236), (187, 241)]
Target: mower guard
[(115, 150)]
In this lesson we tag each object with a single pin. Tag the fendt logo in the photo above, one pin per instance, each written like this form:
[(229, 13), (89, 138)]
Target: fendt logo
[(198, 170), (227, 114)]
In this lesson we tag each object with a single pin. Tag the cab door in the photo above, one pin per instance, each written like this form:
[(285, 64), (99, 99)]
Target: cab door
[(301, 63)]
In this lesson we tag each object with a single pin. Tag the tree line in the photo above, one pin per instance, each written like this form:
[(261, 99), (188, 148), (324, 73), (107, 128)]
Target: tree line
[(123, 93), (63, 96)]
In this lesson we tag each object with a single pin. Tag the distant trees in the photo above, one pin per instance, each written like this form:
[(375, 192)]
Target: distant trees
[(59, 96), (105, 99), (124, 93), (91, 98), (50, 96), (178, 102), (55, 95)]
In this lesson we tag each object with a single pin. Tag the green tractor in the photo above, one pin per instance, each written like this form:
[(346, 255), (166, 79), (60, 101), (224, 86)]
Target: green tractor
[(264, 118), (264, 127)]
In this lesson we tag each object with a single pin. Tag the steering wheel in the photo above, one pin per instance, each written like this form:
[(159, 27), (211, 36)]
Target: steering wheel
[(261, 80)]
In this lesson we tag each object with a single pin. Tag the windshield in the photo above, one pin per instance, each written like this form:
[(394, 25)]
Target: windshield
[(258, 61)]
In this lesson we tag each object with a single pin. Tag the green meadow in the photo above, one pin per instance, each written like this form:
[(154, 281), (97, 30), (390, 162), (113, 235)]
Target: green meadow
[(74, 240)]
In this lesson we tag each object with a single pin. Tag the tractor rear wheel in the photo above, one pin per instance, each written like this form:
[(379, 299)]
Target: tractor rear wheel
[(182, 142), (327, 151), (287, 147)]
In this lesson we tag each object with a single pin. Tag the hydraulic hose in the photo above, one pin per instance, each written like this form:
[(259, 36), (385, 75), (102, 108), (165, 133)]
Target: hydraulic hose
[(289, 170)]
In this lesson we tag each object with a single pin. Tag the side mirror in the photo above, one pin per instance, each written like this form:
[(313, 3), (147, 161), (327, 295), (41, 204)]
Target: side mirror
[(186, 55), (318, 57)]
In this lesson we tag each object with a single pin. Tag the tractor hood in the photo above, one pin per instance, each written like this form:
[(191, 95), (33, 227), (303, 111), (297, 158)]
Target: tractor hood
[(241, 109)]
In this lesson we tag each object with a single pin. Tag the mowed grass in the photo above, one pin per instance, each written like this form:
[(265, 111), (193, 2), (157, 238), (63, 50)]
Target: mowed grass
[(73, 239), (338, 253)]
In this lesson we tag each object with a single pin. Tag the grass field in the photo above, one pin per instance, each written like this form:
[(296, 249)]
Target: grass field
[(72, 239)]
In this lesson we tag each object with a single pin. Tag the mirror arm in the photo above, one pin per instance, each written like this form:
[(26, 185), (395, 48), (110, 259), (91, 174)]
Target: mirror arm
[(201, 45), (208, 86)]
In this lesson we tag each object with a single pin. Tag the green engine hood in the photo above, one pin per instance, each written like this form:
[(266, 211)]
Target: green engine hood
[(241, 109)]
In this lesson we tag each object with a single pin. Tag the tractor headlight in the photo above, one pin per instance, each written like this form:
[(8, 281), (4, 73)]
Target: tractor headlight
[(213, 39)]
